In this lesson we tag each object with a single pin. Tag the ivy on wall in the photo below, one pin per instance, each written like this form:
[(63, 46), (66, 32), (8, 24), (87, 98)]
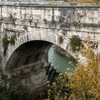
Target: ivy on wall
[(60, 39), (5, 43), (12, 39), (75, 43)]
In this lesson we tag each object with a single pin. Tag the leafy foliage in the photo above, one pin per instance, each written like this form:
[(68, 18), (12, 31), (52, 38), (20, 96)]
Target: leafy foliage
[(65, 0), (81, 84), (59, 89), (12, 39), (75, 43), (5, 43), (60, 39)]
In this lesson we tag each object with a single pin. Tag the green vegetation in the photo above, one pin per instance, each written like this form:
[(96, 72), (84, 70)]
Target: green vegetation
[(60, 39), (75, 43), (65, 0), (5, 43), (12, 39)]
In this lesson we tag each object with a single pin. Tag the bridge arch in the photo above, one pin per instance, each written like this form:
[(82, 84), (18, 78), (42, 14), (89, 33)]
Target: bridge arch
[(35, 38)]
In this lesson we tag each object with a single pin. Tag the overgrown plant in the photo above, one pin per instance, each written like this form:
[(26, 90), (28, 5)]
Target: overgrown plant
[(75, 43), (60, 39), (45, 21), (12, 39), (65, 0), (5, 43), (59, 90)]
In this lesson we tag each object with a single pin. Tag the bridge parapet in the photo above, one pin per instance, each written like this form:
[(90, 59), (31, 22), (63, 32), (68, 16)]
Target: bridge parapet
[(20, 18), (76, 16)]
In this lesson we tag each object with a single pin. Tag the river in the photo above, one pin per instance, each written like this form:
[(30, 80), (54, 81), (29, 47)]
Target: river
[(60, 62)]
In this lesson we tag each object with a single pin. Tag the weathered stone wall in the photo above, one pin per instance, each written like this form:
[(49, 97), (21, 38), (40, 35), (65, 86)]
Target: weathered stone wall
[(59, 20), (52, 24)]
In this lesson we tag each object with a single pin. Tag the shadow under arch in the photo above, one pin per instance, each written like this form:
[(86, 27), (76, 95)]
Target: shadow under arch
[(30, 52)]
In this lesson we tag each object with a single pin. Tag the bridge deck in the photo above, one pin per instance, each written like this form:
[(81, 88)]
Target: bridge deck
[(52, 6)]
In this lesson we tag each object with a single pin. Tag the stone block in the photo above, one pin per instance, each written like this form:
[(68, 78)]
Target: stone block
[(34, 77)]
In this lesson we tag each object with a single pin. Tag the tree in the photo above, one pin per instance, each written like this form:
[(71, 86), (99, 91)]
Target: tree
[(81, 84)]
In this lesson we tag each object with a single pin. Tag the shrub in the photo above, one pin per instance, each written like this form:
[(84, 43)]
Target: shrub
[(75, 43), (60, 39), (5, 43), (12, 39)]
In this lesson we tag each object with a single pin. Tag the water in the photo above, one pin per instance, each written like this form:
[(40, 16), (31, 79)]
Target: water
[(60, 62)]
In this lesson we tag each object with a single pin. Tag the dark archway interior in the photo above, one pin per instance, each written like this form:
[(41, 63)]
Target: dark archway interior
[(30, 52)]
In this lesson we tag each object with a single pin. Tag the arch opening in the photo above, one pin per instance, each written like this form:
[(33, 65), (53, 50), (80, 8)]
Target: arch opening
[(30, 62), (36, 53), (33, 52)]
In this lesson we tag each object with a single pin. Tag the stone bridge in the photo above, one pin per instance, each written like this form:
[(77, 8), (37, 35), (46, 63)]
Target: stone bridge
[(30, 31)]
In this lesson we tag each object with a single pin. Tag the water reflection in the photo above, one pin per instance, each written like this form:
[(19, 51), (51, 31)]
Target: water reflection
[(60, 62)]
